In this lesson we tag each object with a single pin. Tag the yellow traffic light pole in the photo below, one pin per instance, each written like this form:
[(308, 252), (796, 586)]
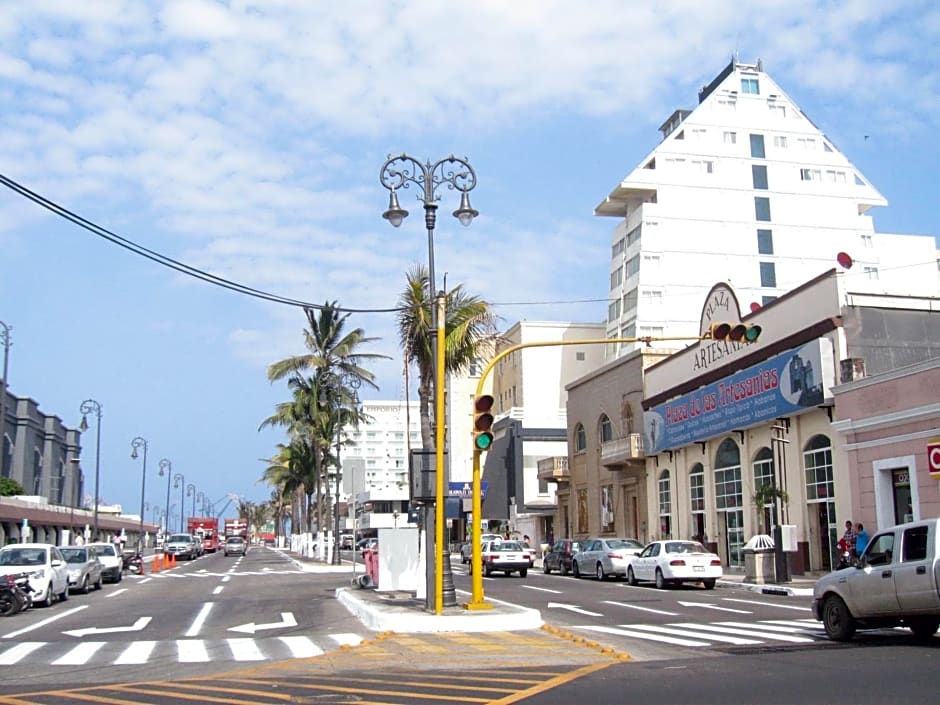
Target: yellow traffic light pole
[(477, 601)]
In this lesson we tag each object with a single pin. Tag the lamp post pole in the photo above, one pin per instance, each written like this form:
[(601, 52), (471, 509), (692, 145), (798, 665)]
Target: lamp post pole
[(90, 406), (456, 174), (166, 468), (7, 342), (141, 442), (191, 490), (180, 481)]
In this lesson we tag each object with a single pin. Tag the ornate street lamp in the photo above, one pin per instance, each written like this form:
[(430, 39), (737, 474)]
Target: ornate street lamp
[(457, 175), (7, 342), (90, 406), (180, 481), (191, 492), (140, 442), (166, 468)]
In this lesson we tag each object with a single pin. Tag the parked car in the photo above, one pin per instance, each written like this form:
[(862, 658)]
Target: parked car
[(560, 555), (48, 575), (466, 550), (235, 545), (895, 582), (506, 556), (672, 562), (181, 546), (84, 568), (111, 559), (605, 557)]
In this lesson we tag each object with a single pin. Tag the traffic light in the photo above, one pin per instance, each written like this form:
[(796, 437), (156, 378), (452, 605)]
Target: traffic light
[(735, 332), (482, 423)]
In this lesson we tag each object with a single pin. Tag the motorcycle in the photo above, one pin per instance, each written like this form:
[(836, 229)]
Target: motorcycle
[(15, 594), (844, 555), (133, 563)]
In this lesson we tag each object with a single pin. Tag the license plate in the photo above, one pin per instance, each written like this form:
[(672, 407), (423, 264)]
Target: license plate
[(699, 568)]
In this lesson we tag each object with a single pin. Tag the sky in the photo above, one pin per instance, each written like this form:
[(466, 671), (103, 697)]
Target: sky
[(246, 138)]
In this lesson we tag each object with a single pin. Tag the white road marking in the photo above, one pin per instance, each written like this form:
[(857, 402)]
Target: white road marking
[(135, 627), (644, 609), (301, 646), (806, 623), (646, 635), (709, 606), (218, 590), (191, 651), (137, 653), (200, 618), (287, 620), (791, 629), (532, 587), (117, 592), (15, 653), (226, 578), (80, 654), (44, 622), (245, 650), (573, 608), (675, 630), (346, 639), (752, 631), (767, 604)]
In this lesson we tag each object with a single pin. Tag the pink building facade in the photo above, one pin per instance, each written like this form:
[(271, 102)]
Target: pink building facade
[(885, 423)]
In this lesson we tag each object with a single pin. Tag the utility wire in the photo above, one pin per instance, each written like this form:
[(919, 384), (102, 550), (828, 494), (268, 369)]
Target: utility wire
[(164, 260)]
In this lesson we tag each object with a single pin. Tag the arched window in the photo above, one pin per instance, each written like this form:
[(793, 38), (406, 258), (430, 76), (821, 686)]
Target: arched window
[(606, 429), (817, 461), (729, 499), (765, 474), (580, 439), (626, 416), (665, 506), (697, 497)]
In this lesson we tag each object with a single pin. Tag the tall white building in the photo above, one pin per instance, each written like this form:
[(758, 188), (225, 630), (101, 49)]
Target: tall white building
[(745, 188), (383, 442)]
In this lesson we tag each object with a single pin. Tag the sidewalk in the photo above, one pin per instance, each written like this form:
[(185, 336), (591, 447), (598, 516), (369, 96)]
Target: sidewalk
[(396, 611)]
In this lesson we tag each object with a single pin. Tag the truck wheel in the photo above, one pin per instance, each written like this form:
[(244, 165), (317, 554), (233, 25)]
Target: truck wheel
[(661, 583), (525, 571), (923, 628), (575, 570), (838, 621), (631, 577), (545, 568), (709, 584)]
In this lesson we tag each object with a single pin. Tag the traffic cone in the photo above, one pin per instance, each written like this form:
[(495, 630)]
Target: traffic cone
[(155, 568)]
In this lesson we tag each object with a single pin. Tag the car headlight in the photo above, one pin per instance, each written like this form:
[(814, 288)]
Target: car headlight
[(38, 574), (73, 574)]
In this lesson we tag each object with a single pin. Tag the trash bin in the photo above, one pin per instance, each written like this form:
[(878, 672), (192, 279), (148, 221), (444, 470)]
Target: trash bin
[(759, 559), (371, 557)]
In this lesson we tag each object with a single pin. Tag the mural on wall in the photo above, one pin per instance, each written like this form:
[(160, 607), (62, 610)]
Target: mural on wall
[(789, 383), (607, 508), (582, 512)]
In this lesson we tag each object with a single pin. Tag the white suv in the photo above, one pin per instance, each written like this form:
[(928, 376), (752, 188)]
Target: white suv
[(112, 562)]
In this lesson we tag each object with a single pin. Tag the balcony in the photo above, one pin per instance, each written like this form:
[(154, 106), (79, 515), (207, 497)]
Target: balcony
[(554, 469), (622, 451)]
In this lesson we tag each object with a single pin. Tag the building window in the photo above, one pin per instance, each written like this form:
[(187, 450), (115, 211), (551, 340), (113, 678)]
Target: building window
[(628, 331), (777, 110), (730, 103), (616, 278), (606, 429), (768, 274), (762, 208), (652, 297), (633, 236), (651, 164), (629, 301), (652, 331), (580, 439), (579, 356), (706, 166), (613, 310), (729, 498), (867, 241), (817, 462), (476, 367), (583, 522), (765, 300), (697, 496), (871, 272), (633, 266), (765, 242), (765, 474), (780, 141), (730, 137), (806, 143), (665, 506), (810, 175), (617, 249), (759, 176), (835, 177), (607, 509), (757, 146), (750, 86), (698, 133)]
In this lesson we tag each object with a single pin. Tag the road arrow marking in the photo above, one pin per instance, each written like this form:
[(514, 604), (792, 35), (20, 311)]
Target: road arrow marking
[(44, 622), (706, 605), (645, 609), (767, 604), (572, 608), (135, 627), (287, 620)]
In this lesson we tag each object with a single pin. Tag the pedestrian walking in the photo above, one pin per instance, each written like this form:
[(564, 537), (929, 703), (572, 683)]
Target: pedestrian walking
[(850, 536), (861, 539)]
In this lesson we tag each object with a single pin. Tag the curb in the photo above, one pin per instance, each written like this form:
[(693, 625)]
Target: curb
[(766, 589), (409, 621)]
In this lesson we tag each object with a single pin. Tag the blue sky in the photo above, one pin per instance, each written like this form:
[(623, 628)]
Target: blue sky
[(245, 138)]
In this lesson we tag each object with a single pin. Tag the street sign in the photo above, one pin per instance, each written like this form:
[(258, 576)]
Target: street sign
[(933, 457), (464, 490)]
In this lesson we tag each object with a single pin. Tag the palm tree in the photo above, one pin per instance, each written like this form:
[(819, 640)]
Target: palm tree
[(469, 325)]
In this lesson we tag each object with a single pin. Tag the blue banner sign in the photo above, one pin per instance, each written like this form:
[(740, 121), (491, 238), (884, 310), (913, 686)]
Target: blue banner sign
[(792, 382), (464, 490)]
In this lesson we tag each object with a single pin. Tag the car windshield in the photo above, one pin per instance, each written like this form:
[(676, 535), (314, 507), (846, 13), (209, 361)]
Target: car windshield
[(624, 543), (74, 555), (23, 556), (685, 547), (505, 546), (105, 549), (181, 538), (235, 539)]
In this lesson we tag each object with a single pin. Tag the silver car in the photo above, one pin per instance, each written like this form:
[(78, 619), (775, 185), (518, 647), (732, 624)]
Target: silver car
[(605, 557), (83, 566)]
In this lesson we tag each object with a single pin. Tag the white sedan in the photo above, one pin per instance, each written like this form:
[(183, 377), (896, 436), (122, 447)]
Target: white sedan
[(48, 574), (673, 562)]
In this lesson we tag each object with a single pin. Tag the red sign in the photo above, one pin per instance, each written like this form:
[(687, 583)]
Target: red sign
[(933, 457)]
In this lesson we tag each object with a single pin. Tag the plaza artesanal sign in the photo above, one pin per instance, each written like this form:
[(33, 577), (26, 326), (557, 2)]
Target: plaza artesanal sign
[(792, 382)]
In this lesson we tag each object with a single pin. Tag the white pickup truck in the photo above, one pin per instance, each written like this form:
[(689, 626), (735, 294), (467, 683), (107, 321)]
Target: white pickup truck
[(895, 582)]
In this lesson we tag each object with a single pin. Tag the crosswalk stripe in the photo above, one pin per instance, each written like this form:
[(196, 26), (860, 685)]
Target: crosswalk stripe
[(79, 655), (138, 652), (752, 631), (804, 623), (191, 651), (346, 639), (788, 629), (646, 635), (245, 649), (676, 630), (15, 653), (301, 646)]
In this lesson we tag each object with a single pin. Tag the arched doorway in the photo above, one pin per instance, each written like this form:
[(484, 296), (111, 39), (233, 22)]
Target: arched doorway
[(729, 501), (821, 495)]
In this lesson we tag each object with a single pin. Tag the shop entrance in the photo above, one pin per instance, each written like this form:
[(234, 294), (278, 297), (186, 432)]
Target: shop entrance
[(901, 482), (828, 529)]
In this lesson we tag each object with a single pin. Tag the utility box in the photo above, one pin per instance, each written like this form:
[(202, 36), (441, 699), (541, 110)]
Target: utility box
[(398, 559), (788, 542), (422, 468)]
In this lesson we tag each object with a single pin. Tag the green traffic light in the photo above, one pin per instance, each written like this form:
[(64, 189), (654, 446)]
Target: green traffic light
[(752, 333), (483, 441)]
